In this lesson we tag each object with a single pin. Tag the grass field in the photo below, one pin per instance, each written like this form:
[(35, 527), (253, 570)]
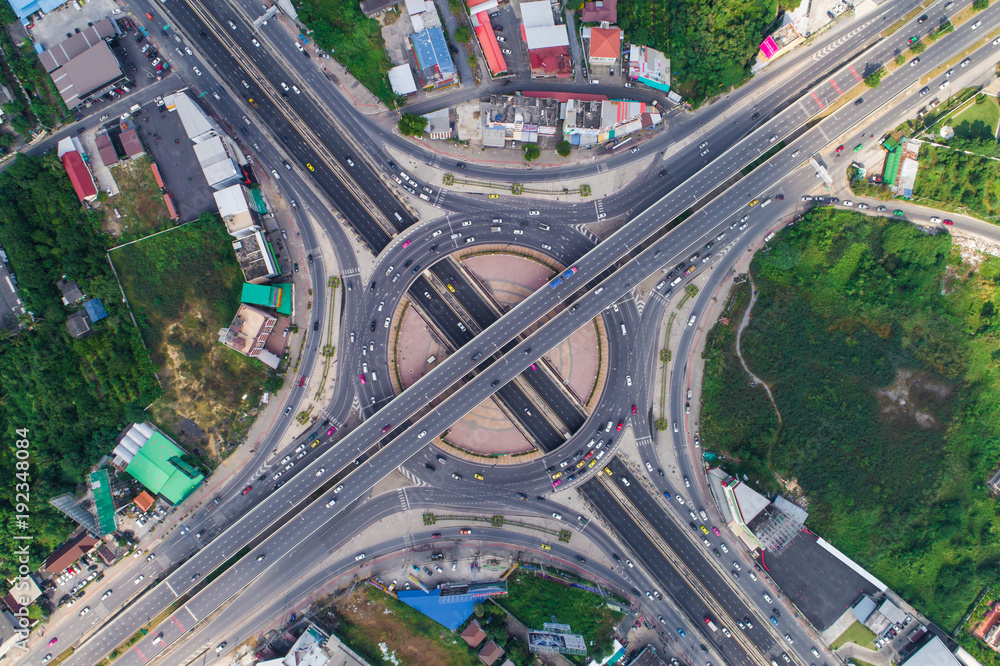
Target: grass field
[(978, 120), (858, 634), (534, 601), (183, 286)]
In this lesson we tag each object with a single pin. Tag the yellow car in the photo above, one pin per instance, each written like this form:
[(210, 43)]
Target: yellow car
[(310, 166), (592, 463), (479, 477), (546, 546), (494, 196), (754, 202), (314, 444), (704, 529), (607, 470), (581, 464), (557, 475), (451, 289)]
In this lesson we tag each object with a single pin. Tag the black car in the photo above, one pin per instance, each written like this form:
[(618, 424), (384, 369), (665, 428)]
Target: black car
[(429, 466), (755, 116), (859, 101), (498, 28), (582, 560), (315, 325), (372, 326), (922, 18)]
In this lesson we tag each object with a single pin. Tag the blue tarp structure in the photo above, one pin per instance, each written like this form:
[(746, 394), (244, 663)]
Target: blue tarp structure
[(451, 615)]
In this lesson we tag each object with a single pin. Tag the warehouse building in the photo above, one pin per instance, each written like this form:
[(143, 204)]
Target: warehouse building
[(155, 461)]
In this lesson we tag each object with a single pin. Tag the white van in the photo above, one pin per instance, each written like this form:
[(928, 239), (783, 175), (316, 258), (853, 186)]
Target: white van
[(374, 376), (765, 202), (624, 332)]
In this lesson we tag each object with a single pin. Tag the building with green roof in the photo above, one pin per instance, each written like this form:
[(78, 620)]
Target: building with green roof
[(104, 503), (155, 461), (275, 296)]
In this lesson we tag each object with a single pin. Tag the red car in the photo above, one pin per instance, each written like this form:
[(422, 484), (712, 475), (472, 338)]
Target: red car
[(948, 222), (150, 16), (302, 382), (840, 149), (436, 535), (247, 489), (406, 243), (634, 410), (621, 424), (386, 428), (362, 377), (53, 641)]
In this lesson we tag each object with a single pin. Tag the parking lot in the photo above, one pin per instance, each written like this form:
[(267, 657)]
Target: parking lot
[(167, 143), (506, 23)]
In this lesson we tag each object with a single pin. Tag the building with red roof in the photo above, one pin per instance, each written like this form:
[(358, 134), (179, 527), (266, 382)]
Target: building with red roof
[(77, 170), (605, 46), (600, 11)]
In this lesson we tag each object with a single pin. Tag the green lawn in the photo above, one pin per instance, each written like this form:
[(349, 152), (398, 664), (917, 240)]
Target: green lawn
[(978, 120), (858, 634)]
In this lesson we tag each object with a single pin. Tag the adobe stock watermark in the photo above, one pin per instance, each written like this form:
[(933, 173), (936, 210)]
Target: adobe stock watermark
[(22, 536)]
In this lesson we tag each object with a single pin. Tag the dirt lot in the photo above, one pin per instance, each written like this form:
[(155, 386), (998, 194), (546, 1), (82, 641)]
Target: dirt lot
[(369, 619), (140, 202)]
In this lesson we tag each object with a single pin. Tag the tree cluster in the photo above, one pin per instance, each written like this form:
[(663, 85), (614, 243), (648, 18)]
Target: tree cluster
[(72, 395), (711, 46)]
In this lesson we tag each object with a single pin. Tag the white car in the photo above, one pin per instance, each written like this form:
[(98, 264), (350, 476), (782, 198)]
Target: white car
[(628, 380), (534, 212), (137, 553), (736, 565), (196, 71), (139, 579), (320, 471), (86, 609), (629, 562), (421, 434), (976, 24), (680, 499), (944, 85), (255, 43), (935, 220), (331, 502), (723, 547), (284, 86), (359, 557), (649, 467), (338, 488), (625, 482)]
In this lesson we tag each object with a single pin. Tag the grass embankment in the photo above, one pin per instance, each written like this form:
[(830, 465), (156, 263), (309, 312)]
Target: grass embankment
[(355, 41), (881, 351), (183, 286)]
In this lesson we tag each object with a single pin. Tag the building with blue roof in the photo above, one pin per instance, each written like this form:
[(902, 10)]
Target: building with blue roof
[(25, 8), (433, 61), (95, 310)]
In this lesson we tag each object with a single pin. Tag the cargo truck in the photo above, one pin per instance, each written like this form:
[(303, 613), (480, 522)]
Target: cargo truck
[(711, 625)]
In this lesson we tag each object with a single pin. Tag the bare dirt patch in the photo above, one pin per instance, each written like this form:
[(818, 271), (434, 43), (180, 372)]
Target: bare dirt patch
[(905, 399), (375, 625)]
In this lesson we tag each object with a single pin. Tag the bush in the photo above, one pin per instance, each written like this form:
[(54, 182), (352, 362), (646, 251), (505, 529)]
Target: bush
[(412, 125), (462, 34), (900, 60), (918, 47), (875, 78), (531, 152), (980, 5), (564, 148)]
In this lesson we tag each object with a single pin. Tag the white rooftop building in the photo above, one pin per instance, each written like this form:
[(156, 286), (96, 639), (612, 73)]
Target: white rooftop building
[(219, 168)]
